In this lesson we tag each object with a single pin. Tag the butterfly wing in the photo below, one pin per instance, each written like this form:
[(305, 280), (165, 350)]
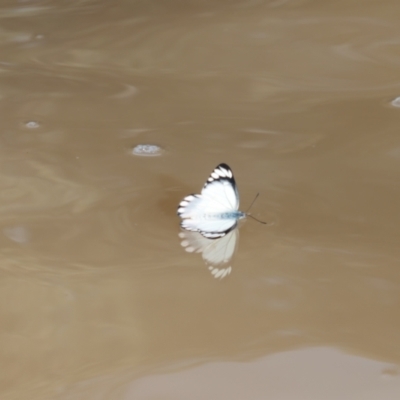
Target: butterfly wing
[(217, 254), (211, 229), (221, 188), (219, 196)]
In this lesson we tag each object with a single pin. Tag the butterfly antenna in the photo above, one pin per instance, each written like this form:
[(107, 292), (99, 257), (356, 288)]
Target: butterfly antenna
[(255, 198), (261, 222), (251, 205)]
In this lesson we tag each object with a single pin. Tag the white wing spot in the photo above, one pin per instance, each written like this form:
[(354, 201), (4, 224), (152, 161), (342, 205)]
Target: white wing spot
[(189, 198), (229, 173), (184, 203), (219, 274), (227, 271), (223, 172), (215, 175)]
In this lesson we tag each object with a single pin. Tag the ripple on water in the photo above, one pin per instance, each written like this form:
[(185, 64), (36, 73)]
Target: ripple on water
[(396, 102), (18, 234), (147, 150), (32, 124)]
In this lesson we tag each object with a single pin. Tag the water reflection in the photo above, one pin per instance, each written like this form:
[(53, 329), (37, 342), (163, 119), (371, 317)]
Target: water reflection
[(216, 253)]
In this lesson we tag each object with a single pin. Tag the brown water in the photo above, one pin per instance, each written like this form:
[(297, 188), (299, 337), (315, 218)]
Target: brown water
[(98, 300)]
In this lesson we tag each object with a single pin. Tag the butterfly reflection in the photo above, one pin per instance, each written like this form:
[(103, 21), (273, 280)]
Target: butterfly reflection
[(216, 253)]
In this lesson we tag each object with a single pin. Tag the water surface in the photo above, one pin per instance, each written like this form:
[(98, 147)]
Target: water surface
[(98, 300)]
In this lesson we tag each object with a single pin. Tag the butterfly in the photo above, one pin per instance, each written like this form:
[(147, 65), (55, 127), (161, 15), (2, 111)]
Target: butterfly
[(216, 253), (215, 211)]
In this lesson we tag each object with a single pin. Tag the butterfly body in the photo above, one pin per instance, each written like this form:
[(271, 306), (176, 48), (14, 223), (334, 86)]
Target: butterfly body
[(228, 215), (215, 211)]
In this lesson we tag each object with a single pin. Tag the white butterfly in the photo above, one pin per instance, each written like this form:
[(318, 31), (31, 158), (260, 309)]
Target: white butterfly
[(215, 211), (217, 253)]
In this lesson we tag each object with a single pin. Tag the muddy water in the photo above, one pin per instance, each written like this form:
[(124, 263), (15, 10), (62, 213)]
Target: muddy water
[(98, 300)]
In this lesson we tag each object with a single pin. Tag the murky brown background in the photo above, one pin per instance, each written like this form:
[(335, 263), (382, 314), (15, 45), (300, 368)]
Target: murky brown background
[(98, 300)]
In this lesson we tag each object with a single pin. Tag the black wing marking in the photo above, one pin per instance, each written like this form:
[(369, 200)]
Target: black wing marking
[(221, 172)]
